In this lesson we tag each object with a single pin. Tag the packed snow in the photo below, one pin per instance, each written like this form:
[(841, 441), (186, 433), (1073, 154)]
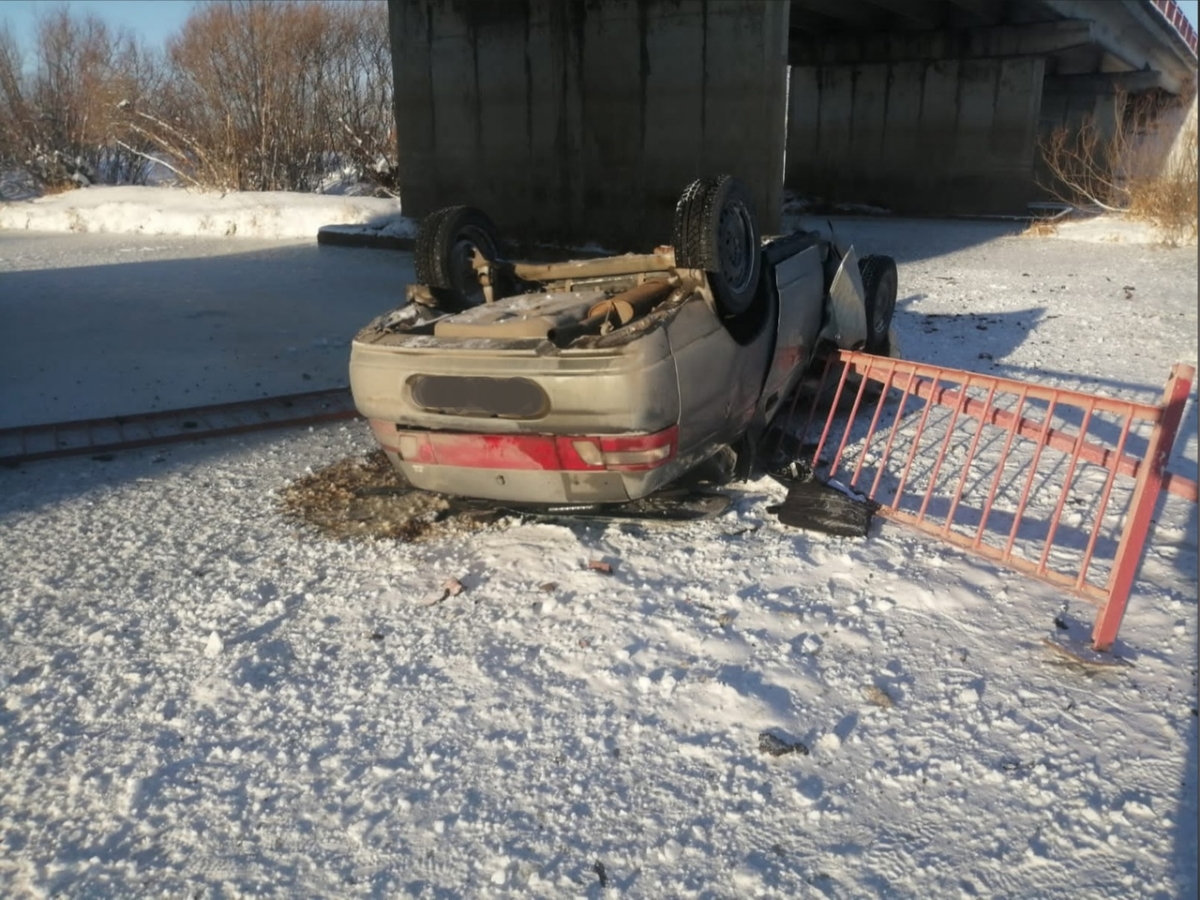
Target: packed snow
[(199, 697), (133, 209)]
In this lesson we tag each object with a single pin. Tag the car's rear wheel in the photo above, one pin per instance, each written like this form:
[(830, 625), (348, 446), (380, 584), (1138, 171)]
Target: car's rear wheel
[(445, 250), (716, 230), (879, 287)]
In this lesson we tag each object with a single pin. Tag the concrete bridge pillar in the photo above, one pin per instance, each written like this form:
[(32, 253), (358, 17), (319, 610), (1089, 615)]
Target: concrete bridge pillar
[(920, 136), (568, 120)]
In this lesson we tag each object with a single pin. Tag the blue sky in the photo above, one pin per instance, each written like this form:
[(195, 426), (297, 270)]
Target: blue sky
[(1189, 9), (155, 20)]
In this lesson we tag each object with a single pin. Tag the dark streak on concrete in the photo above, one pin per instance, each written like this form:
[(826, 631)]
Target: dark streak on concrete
[(703, 84), (429, 43), (854, 75), (643, 79), (888, 81), (528, 81)]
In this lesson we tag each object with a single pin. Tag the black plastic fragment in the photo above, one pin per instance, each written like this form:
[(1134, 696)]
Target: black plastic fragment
[(816, 506), (669, 505), (777, 746)]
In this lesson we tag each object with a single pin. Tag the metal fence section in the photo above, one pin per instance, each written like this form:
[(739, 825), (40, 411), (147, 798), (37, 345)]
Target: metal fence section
[(1171, 11), (1057, 484)]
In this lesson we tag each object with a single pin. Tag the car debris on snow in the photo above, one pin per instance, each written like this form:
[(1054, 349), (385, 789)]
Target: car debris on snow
[(452, 587), (774, 745), (877, 696), (817, 505)]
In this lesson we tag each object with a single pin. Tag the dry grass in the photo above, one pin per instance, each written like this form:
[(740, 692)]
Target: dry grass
[(877, 696), (1144, 166), (1040, 228), (58, 187), (1169, 200)]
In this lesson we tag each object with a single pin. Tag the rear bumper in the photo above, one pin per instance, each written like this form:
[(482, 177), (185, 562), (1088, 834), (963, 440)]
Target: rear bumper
[(533, 468)]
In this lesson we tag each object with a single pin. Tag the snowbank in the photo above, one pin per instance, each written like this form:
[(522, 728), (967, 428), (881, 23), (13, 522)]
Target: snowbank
[(159, 210), (1109, 229)]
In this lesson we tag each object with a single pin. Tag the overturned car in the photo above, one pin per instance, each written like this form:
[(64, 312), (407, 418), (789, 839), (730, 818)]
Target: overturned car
[(603, 380)]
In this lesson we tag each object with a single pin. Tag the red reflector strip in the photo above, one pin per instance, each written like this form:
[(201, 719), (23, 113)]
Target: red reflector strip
[(493, 451), (623, 453)]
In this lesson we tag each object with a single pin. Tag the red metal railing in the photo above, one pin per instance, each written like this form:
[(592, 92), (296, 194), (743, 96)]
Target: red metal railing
[(1057, 484), (1174, 15)]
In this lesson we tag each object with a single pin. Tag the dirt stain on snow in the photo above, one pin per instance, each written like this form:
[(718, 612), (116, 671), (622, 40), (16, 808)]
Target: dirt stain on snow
[(364, 497)]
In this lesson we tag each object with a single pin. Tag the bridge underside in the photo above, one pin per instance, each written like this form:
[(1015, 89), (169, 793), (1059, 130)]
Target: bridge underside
[(936, 106), (570, 120)]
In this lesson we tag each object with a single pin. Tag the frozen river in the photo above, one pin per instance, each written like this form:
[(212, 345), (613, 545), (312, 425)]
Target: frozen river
[(102, 324)]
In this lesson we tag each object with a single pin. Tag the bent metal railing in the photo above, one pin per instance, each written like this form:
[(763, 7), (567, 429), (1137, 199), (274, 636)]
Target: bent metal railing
[(1054, 483)]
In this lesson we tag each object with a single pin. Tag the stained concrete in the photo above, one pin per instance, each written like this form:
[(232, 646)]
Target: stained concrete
[(948, 136), (576, 120), (570, 121)]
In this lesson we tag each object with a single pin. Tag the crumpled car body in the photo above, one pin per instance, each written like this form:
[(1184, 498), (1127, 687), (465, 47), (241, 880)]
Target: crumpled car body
[(598, 381)]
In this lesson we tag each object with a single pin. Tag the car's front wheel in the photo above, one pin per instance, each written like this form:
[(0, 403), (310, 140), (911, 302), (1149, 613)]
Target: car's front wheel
[(879, 289)]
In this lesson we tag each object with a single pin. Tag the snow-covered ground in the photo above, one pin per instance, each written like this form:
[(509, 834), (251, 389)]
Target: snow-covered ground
[(198, 698), (131, 209), (278, 215)]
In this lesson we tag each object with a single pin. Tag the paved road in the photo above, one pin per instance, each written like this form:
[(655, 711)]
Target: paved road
[(99, 324)]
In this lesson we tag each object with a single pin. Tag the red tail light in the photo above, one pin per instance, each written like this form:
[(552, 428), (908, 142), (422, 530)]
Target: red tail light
[(573, 453)]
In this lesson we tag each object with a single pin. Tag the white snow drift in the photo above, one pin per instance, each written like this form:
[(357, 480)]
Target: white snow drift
[(176, 211)]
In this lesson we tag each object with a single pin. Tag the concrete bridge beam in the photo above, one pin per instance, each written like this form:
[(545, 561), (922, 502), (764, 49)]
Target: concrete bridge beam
[(944, 136), (1038, 39), (568, 120)]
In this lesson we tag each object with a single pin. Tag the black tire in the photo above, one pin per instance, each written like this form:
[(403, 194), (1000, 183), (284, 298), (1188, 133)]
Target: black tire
[(879, 289), (716, 230), (445, 247)]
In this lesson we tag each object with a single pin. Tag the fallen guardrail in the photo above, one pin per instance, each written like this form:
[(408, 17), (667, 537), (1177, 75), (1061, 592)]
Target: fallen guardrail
[(1057, 484)]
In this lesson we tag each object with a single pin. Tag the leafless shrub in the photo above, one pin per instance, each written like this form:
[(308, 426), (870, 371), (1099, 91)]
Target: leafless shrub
[(251, 95), (271, 95), (59, 117), (1169, 199), (1141, 164)]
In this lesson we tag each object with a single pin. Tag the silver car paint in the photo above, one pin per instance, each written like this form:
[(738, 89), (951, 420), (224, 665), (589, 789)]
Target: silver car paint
[(847, 325), (679, 366)]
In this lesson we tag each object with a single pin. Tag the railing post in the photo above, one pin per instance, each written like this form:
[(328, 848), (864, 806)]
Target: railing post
[(1141, 508)]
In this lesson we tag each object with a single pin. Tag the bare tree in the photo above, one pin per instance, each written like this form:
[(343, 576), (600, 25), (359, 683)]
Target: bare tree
[(360, 92), (271, 95), (250, 95), (15, 114), (1142, 162), (60, 117)]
